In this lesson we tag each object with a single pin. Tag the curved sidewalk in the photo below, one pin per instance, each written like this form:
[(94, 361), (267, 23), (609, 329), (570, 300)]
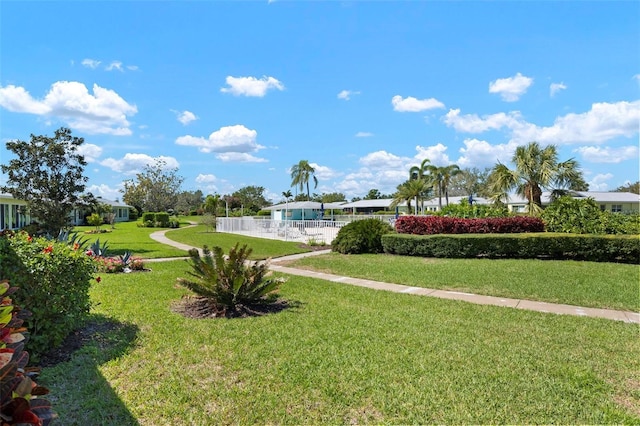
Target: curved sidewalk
[(625, 316)]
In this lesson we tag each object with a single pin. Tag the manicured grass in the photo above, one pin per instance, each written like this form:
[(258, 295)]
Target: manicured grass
[(199, 236), (343, 355), (128, 236), (601, 285)]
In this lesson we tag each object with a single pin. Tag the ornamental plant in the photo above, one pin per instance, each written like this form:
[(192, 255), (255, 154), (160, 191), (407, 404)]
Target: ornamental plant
[(361, 236), (20, 402), (230, 283), (54, 280), (429, 225)]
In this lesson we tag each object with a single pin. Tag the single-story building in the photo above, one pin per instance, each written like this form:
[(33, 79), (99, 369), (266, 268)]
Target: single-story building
[(302, 210), (615, 202), (13, 213), (119, 209), (384, 204)]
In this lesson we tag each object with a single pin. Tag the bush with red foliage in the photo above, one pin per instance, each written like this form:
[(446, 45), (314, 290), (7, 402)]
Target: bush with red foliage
[(430, 225)]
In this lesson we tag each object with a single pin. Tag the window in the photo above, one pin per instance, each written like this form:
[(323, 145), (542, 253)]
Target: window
[(603, 207), (616, 208)]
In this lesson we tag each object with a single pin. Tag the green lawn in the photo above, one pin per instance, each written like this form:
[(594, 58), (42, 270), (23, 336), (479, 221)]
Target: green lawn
[(128, 236), (600, 285), (199, 236), (343, 355)]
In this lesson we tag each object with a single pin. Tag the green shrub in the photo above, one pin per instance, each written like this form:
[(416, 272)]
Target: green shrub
[(583, 216), (466, 210), (264, 213), (148, 217), (95, 220), (19, 396), (597, 248), (361, 236), (133, 214), (230, 283), (54, 280), (162, 220)]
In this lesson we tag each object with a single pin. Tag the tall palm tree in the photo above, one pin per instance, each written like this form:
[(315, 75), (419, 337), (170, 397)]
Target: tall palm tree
[(409, 190), (536, 168), (420, 173), (300, 175), (441, 177)]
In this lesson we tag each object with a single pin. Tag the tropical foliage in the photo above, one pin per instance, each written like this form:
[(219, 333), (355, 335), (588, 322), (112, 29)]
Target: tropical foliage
[(230, 283), (20, 402), (429, 225), (155, 189), (441, 178), (536, 168), (301, 173)]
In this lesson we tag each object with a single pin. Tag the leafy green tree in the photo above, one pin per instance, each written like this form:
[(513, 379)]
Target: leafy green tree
[(189, 200), (630, 187), (155, 190), (536, 168), (375, 194), (470, 181), (211, 204), (251, 198), (47, 173), (300, 175), (332, 197)]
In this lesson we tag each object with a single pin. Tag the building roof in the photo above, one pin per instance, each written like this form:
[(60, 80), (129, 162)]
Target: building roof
[(598, 197), (307, 205), (113, 203), (382, 203)]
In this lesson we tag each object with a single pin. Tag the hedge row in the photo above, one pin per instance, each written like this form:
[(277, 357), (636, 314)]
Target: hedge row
[(597, 248), (429, 225)]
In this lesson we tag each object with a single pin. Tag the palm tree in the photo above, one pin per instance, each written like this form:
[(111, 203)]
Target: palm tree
[(410, 189), (536, 168), (287, 195), (441, 177), (300, 175), (420, 173)]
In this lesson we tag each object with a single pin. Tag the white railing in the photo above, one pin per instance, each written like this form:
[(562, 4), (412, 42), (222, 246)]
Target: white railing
[(305, 231)]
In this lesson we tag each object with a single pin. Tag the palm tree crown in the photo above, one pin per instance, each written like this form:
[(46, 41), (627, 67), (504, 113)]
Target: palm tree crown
[(300, 175), (536, 168), (441, 177)]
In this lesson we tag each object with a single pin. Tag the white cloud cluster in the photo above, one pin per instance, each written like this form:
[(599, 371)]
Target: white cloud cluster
[(599, 154), (230, 143), (113, 65), (251, 86), (436, 154), (603, 122), (104, 191), (364, 134), (346, 94), (104, 111), (91, 63), (411, 104), (480, 153), (131, 164), (185, 117), (555, 88), (324, 172), (511, 88), (599, 182), (90, 152)]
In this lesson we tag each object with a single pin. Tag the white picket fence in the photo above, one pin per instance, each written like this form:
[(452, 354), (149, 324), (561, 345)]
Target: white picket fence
[(304, 231)]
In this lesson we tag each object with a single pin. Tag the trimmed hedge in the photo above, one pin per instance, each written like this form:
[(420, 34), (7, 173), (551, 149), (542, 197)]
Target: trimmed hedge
[(361, 236), (596, 248), (54, 280), (429, 225)]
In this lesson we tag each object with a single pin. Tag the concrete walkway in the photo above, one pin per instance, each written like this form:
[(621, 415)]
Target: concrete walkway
[(625, 316)]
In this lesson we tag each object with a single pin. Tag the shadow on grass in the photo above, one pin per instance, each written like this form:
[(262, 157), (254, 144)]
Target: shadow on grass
[(79, 393)]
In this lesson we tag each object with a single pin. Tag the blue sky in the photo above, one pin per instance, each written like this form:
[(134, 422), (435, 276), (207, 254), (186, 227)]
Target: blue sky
[(235, 93)]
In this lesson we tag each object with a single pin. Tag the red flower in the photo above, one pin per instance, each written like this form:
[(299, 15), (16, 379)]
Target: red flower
[(76, 246), (98, 279), (29, 238), (48, 250)]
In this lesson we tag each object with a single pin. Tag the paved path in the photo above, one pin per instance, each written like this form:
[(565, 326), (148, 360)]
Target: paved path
[(626, 316)]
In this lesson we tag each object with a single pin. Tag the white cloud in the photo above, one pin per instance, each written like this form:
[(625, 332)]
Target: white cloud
[(382, 160), (511, 88), (472, 123), (239, 157), (346, 94), (90, 63), (324, 172), (208, 178), (597, 154), (104, 191), (603, 122), (364, 135), (599, 182), (636, 77), (227, 139), (133, 67), (115, 65), (90, 151), (411, 104), (555, 88), (185, 117), (435, 153), (131, 164), (479, 153), (104, 111), (251, 86)]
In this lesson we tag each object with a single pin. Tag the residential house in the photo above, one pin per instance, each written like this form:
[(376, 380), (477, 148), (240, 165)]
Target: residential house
[(13, 213)]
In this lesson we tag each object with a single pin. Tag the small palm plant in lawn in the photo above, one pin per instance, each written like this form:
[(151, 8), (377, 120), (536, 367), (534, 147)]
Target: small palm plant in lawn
[(229, 285)]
